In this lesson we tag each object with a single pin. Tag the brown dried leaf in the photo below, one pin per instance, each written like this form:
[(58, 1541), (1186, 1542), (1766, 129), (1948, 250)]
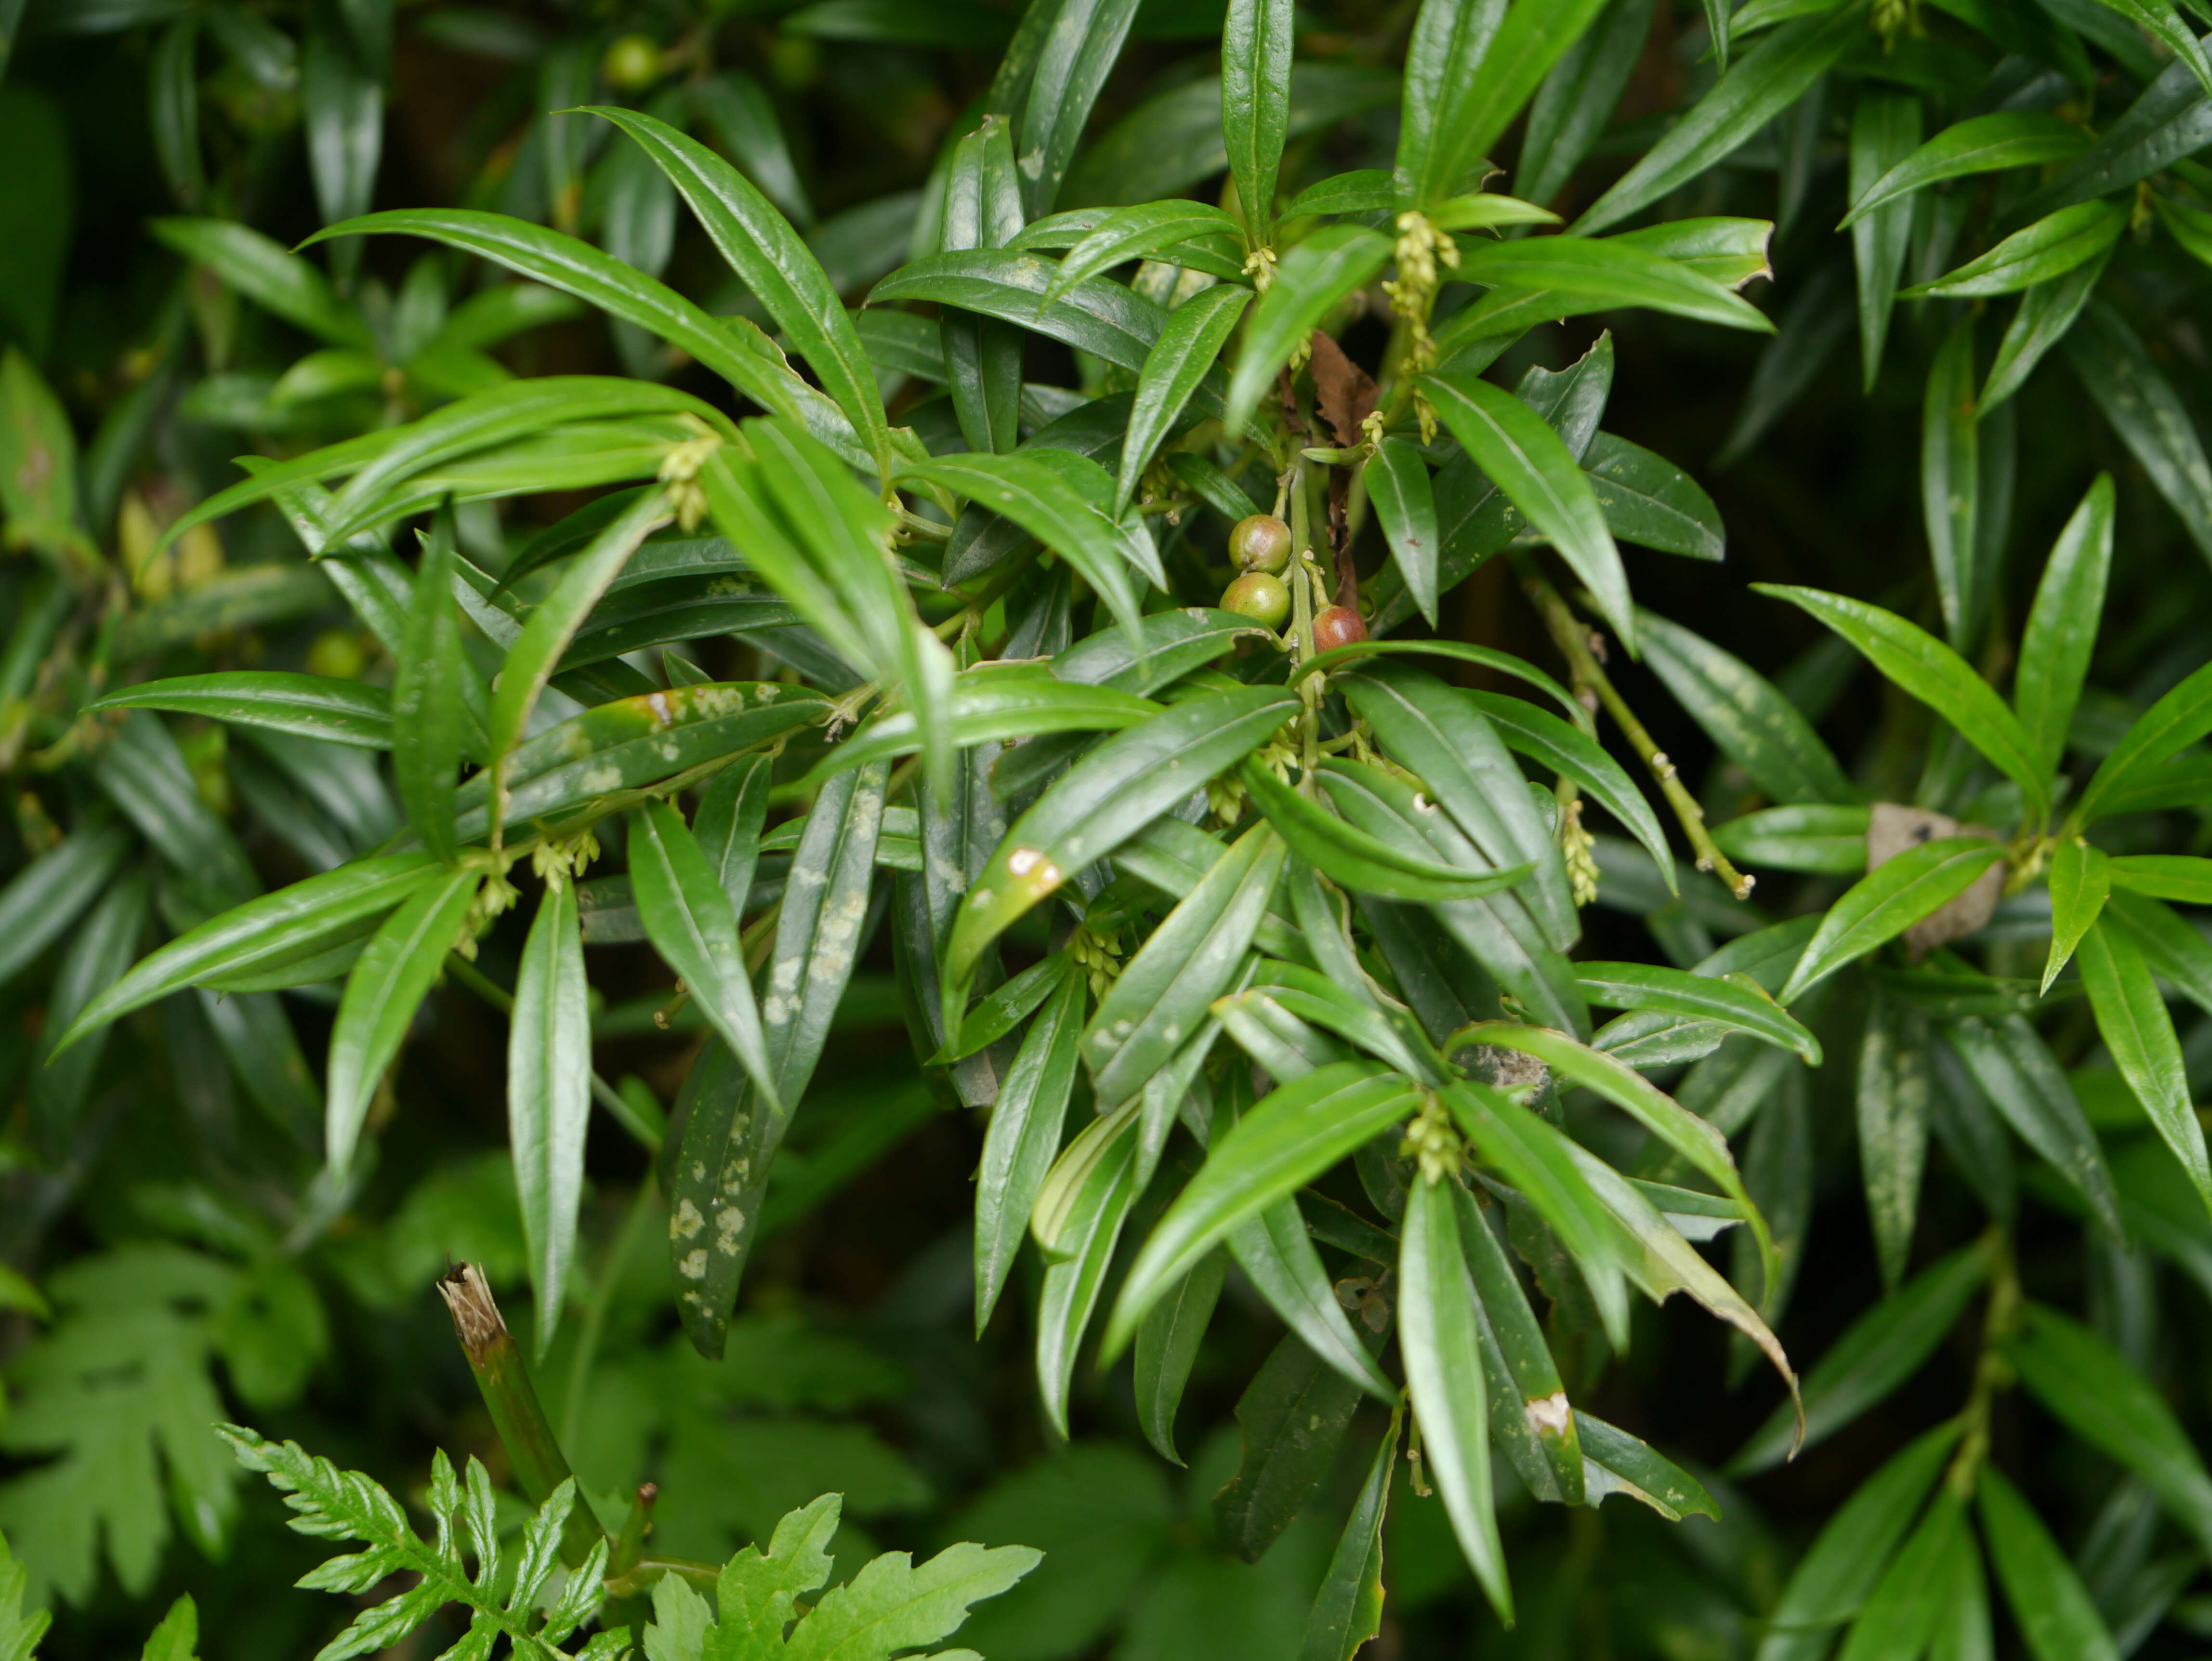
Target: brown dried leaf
[(1894, 828), (1343, 392)]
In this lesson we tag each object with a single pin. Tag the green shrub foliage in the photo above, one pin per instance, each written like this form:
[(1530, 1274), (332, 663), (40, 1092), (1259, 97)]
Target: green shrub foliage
[(831, 598)]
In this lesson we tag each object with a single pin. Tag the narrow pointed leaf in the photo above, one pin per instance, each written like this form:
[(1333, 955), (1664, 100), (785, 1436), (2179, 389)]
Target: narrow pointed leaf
[(1184, 354), (549, 1095)]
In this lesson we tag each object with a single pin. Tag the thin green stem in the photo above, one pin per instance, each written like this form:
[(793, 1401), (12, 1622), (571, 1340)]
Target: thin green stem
[(1992, 1372)]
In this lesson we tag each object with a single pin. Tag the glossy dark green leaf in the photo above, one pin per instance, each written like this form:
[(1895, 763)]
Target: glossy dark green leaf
[(2057, 1619), (1895, 1094), (1908, 1604), (143, 772), (1361, 860), (2061, 632), (1876, 1355), (1848, 1557), (1087, 1226), (267, 274), (549, 1095), (426, 697), (388, 983), (1309, 284), (1749, 720), (2042, 252), (737, 108), (1347, 1611), (313, 706), (1364, 190), (1174, 857), (1981, 144), (50, 892), (1379, 1026), (2132, 1016), (1489, 658), (993, 707), (2147, 414), (2180, 718), (341, 107), (1726, 1000), (1531, 1376), (1887, 901), (1922, 666), (2080, 878), (771, 261), (1950, 477), (1578, 98), (172, 88), (1405, 503), (1109, 796), (1649, 501), (1450, 743), (1097, 315), (1830, 840), (1294, 1134), (2017, 1074), (1077, 53), (1196, 331), (1443, 59), (1023, 1137), (1760, 86), (1564, 748), (2047, 312), (1440, 1338), (1256, 104), (1167, 1347), (1583, 274), (2090, 1388), (1293, 1416), (981, 357), (1885, 131), (1277, 1256)]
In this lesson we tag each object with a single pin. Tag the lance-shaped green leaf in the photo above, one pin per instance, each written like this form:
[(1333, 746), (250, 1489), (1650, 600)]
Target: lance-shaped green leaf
[(2133, 1018), (1167, 1348), (1277, 1256), (1109, 796), (2081, 879), (1579, 274), (51, 892), (1887, 901), (2008, 1060), (1293, 1135), (2168, 27), (1040, 497), (1489, 657), (272, 277), (1077, 53), (1538, 1161), (1293, 1418), (2147, 414), (1877, 1353), (266, 931), (1981, 144), (2180, 718), (1692, 1137), (991, 708), (1388, 1031), (1733, 1002), (553, 622), (1443, 59), (1196, 331), (1405, 503), (1917, 663), (1347, 1611), (1439, 1335), (689, 918), (980, 358), (1284, 1045), (313, 706), (1529, 462), (1564, 748), (771, 261), (1133, 233), (2042, 251), (1885, 131), (1747, 717), (1531, 1376), (1829, 840), (1893, 1091), (2057, 1618), (389, 982), (1909, 1604), (1087, 1223), (1650, 502), (1360, 860), (427, 697), (1448, 742), (1256, 104), (1768, 79), (1308, 284), (2046, 312), (1162, 993), (1212, 241), (1950, 480), (2061, 633), (1847, 1558), (741, 356), (549, 1095), (1097, 315), (2183, 877), (2090, 1388), (1578, 99)]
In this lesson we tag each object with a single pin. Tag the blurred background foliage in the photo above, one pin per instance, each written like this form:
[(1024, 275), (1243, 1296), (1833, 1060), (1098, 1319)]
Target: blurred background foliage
[(176, 1258)]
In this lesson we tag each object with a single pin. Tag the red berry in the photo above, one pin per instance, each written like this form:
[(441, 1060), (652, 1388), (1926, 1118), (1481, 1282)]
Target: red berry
[(1259, 597), (1338, 625), (1260, 543)]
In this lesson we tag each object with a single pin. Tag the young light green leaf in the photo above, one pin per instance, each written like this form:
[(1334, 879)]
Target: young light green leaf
[(2080, 878), (549, 1095), (388, 983), (1749, 720), (1294, 1134), (1532, 466), (265, 273), (426, 696), (1312, 278), (1887, 901), (2183, 877), (2132, 1016), (1922, 666), (1196, 331), (2061, 633), (1256, 105), (2057, 1618), (779, 270), (1981, 144), (1440, 1338)]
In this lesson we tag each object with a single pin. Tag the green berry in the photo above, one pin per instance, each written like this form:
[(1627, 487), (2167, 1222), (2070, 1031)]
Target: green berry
[(1260, 543), (632, 63), (1259, 597)]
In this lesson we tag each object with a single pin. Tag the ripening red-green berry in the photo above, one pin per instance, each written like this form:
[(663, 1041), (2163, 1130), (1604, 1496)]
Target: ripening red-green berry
[(632, 63), (1259, 597), (1260, 543), (1337, 625)]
